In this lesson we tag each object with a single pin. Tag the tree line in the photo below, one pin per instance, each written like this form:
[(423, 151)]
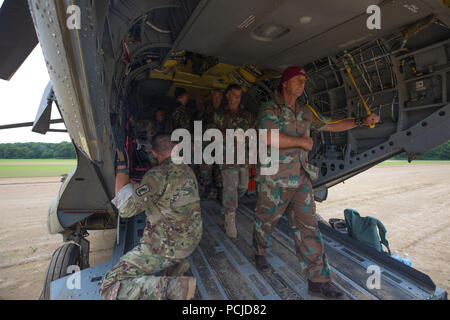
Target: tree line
[(66, 150), (37, 150)]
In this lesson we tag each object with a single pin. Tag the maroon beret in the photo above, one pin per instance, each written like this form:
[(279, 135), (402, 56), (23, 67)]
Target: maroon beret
[(291, 72)]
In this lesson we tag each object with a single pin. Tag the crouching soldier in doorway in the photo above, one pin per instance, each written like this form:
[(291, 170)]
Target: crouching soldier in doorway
[(168, 194)]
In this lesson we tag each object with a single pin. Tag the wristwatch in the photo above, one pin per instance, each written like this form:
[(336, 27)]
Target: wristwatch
[(359, 121), (124, 170)]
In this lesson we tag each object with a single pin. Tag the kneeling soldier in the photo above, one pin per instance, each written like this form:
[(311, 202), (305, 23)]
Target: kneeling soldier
[(168, 194)]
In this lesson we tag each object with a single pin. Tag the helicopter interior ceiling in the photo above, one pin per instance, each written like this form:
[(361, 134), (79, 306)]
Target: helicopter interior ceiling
[(275, 34)]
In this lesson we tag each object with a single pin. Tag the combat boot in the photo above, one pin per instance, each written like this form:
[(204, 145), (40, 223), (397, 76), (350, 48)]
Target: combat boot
[(177, 270), (230, 224), (182, 288), (324, 290), (261, 263)]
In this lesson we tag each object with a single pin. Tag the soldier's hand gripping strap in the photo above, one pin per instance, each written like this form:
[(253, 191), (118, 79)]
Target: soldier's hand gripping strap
[(123, 199)]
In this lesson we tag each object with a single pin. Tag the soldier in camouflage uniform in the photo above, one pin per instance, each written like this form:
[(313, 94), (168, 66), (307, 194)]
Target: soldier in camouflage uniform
[(235, 176), (160, 125), (180, 117), (290, 190), (210, 172), (168, 194)]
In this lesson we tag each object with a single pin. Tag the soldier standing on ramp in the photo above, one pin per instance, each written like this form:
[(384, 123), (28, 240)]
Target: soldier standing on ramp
[(290, 190), (168, 194), (210, 172), (234, 176)]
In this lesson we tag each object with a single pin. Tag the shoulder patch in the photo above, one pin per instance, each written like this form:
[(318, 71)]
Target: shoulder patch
[(142, 190)]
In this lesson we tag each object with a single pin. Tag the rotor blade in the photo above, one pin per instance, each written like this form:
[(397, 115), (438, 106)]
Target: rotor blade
[(17, 36), (26, 124)]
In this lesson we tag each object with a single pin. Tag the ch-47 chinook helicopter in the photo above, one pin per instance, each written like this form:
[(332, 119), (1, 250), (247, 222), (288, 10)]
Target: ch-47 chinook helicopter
[(114, 62)]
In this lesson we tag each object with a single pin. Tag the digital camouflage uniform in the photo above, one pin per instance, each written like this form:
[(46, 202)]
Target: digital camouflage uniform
[(290, 190), (169, 196), (235, 177), (209, 172)]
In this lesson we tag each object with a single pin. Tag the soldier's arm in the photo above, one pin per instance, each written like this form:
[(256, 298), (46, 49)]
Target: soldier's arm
[(132, 198), (350, 123), (268, 120), (285, 141)]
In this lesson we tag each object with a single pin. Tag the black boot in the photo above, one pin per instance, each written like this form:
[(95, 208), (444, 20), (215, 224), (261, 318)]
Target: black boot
[(324, 290), (261, 263), (219, 195)]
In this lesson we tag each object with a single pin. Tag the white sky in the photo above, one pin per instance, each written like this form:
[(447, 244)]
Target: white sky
[(20, 98)]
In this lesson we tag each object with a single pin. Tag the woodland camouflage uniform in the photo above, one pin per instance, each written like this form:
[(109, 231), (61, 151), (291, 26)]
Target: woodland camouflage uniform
[(209, 172), (168, 194), (181, 118), (235, 176), (290, 190)]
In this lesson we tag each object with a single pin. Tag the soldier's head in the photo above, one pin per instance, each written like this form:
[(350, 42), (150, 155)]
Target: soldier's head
[(199, 103), (233, 94), (160, 114), (162, 146), (293, 81), (181, 95), (216, 98)]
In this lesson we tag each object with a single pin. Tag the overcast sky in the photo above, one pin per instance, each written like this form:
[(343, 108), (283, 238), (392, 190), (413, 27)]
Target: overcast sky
[(20, 98)]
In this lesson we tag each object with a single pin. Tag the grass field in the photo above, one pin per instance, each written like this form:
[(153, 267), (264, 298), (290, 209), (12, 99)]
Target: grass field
[(11, 168), (415, 162)]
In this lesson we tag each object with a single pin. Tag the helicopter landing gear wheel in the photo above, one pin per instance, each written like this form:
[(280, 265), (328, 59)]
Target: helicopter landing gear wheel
[(63, 257)]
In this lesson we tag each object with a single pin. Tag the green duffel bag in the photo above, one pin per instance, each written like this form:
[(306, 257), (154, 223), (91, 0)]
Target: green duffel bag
[(366, 229)]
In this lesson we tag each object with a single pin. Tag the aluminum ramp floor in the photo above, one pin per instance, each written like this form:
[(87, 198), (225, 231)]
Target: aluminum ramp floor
[(224, 267)]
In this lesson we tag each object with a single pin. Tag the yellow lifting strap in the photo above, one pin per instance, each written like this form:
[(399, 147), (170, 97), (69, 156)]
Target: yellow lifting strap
[(323, 121), (359, 92), (360, 95)]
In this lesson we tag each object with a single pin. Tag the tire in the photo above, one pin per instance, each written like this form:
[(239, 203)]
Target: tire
[(63, 257)]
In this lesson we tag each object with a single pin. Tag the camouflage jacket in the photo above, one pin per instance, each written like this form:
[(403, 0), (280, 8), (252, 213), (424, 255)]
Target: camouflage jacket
[(225, 119), (154, 127), (297, 122), (169, 196), (210, 113), (181, 118)]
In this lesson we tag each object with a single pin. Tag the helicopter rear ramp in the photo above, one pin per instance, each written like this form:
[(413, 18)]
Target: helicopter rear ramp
[(225, 270)]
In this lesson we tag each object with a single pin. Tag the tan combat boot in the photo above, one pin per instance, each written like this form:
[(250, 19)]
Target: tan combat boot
[(177, 270), (230, 224), (182, 288)]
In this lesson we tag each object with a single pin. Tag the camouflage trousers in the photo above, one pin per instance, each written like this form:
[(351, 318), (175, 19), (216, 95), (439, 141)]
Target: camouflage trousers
[(206, 174), (134, 277), (235, 185), (273, 202)]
